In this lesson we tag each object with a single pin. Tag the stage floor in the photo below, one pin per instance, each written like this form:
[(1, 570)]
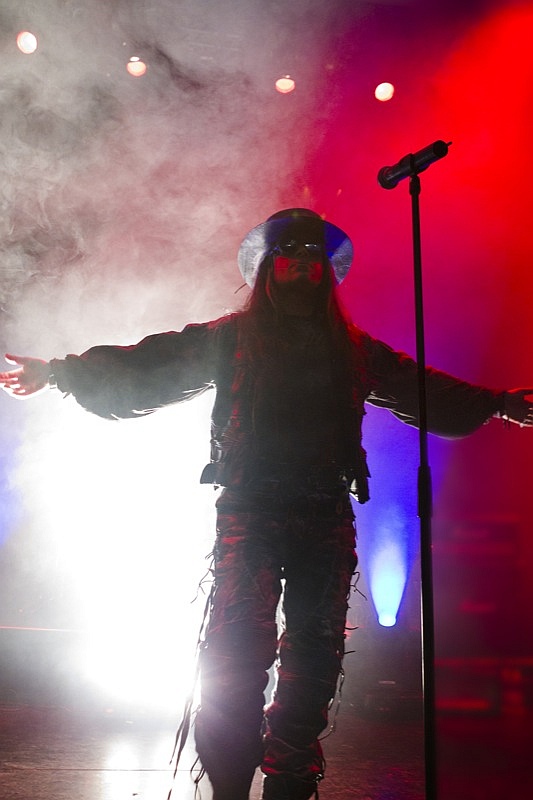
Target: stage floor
[(64, 754)]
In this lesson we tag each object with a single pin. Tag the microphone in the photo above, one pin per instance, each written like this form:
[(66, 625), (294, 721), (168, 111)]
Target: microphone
[(412, 164)]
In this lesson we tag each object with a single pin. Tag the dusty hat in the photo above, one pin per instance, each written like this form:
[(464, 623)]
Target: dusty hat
[(261, 240)]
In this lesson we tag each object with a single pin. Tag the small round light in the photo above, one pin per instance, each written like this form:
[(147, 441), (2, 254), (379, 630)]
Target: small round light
[(285, 85), (136, 67), (26, 42), (384, 92)]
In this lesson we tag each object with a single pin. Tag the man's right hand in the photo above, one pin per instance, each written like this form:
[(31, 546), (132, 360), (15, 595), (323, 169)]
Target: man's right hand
[(31, 376)]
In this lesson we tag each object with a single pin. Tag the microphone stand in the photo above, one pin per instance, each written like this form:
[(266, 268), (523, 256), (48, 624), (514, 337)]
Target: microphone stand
[(424, 508), (388, 177)]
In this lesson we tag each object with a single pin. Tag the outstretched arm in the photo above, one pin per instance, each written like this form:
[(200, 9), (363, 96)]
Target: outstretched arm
[(518, 407), (120, 382), (31, 376), (455, 407)]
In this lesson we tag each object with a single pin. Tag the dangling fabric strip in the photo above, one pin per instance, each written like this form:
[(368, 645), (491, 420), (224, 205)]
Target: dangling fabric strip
[(182, 733)]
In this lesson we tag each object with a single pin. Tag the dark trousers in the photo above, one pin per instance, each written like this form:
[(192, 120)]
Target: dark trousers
[(262, 539)]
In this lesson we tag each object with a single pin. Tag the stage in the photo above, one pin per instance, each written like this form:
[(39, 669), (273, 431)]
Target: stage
[(376, 753)]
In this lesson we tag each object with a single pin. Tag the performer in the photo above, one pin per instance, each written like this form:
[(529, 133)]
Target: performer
[(292, 375)]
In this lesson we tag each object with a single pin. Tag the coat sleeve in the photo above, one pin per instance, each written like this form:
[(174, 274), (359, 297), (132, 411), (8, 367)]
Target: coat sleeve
[(124, 382), (455, 407)]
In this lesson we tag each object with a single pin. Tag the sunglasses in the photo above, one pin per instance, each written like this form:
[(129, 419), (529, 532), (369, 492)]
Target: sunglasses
[(292, 246)]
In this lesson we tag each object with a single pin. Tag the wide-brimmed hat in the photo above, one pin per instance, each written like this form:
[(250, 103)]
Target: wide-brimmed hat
[(262, 239)]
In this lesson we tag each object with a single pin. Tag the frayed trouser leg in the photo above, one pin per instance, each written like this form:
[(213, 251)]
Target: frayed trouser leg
[(240, 646), (311, 648)]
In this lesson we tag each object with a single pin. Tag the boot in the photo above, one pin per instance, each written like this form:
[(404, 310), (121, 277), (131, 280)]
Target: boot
[(285, 786), (231, 791), (235, 788), (231, 794)]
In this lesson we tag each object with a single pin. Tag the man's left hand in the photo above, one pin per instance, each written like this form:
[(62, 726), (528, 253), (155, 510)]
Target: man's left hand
[(518, 407)]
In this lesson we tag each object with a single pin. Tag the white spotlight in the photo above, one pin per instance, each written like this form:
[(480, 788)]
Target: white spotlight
[(285, 85), (136, 67), (384, 92), (26, 42)]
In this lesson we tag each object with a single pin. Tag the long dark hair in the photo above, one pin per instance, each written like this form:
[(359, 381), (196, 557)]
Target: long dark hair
[(261, 339), (261, 308), (261, 315)]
